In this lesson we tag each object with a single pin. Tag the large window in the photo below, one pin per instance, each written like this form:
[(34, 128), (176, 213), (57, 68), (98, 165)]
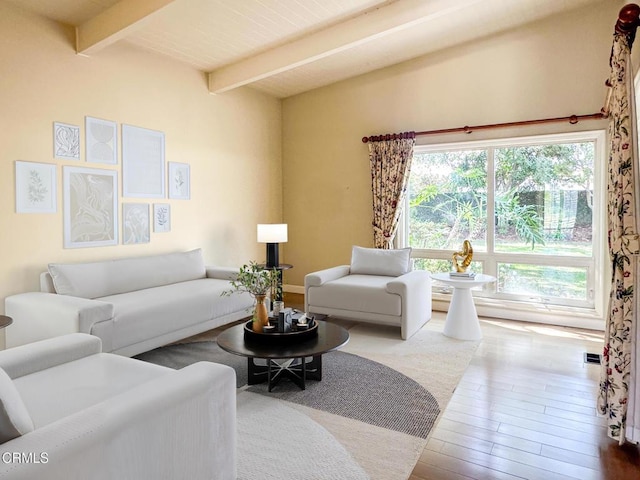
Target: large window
[(531, 208)]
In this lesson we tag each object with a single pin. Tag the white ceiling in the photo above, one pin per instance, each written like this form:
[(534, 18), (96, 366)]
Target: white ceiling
[(285, 47)]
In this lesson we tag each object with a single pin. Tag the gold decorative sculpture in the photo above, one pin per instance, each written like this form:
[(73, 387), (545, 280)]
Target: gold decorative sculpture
[(466, 255)]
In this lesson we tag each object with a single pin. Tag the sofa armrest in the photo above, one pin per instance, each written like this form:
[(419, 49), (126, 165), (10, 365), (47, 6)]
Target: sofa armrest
[(316, 279), (39, 315), (223, 273), (179, 425), (33, 357), (414, 289), (415, 280)]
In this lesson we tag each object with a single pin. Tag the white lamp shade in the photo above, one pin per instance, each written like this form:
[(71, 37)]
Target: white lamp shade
[(272, 232)]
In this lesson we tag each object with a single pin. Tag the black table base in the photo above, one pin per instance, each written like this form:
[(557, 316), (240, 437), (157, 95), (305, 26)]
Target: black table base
[(298, 370), (297, 361)]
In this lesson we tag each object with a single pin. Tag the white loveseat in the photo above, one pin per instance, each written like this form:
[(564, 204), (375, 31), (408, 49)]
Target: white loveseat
[(69, 411), (131, 304), (377, 287)]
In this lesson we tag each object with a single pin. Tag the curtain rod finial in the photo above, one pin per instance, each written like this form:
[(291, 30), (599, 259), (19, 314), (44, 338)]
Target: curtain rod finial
[(628, 19)]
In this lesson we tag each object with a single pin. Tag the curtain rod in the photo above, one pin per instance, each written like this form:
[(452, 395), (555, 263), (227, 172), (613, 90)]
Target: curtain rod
[(573, 119), (627, 23)]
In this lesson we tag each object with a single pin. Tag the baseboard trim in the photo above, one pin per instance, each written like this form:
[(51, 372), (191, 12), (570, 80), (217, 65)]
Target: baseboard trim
[(293, 289)]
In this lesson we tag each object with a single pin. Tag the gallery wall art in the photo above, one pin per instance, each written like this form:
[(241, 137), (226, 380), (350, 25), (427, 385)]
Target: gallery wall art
[(179, 181), (101, 141), (91, 199), (36, 190), (161, 217), (90, 207), (66, 141), (142, 162), (135, 223)]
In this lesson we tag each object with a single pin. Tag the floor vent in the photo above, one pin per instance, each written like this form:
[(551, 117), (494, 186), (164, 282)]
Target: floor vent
[(592, 358)]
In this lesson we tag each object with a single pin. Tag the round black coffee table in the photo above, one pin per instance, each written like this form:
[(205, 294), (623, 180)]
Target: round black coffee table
[(284, 360), (5, 321)]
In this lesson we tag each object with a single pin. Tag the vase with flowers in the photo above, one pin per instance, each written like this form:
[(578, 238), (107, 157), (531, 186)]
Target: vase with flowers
[(257, 281)]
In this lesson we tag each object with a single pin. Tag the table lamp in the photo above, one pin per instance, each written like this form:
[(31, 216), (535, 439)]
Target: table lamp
[(272, 234)]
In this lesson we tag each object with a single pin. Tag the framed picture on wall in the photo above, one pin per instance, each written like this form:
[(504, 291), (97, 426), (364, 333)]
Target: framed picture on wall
[(135, 223), (179, 181), (36, 187), (90, 207), (66, 141), (142, 162), (101, 141), (161, 217)]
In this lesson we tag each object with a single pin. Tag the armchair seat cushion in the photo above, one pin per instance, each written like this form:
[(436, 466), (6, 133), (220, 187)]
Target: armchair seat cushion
[(65, 389), (362, 293)]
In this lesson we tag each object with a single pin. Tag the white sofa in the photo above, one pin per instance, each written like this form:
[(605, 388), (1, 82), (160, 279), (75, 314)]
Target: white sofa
[(132, 304), (377, 287), (71, 412)]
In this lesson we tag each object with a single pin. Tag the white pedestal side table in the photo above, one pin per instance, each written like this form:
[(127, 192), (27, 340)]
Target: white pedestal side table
[(462, 319)]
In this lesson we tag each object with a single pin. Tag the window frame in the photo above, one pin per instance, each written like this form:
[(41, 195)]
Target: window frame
[(596, 266)]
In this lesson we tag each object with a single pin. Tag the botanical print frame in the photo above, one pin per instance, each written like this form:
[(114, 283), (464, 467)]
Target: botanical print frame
[(90, 207), (66, 141), (36, 187), (101, 141), (161, 217), (135, 223), (179, 181), (142, 162)]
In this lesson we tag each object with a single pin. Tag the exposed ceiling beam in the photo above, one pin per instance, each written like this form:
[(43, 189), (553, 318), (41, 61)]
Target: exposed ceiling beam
[(114, 23), (370, 26)]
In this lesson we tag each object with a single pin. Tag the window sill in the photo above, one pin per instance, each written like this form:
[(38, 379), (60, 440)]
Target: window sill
[(529, 312)]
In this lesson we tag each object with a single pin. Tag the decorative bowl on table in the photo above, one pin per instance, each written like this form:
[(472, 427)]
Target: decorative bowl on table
[(295, 335)]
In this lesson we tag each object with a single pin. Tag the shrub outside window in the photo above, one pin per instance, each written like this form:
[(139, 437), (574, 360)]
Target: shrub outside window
[(531, 207)]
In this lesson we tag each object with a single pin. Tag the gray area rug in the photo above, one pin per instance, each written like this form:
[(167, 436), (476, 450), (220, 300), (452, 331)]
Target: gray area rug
[(352, 387)]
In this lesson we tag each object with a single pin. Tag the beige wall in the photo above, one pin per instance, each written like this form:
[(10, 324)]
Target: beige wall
[(232, 142), (553, 68)]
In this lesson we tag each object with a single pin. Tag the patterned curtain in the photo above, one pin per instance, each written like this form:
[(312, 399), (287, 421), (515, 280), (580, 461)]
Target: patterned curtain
[(390, 166), (618, 366)]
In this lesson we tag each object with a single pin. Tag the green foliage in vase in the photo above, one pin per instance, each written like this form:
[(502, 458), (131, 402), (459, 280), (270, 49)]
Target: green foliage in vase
[(254, 280)]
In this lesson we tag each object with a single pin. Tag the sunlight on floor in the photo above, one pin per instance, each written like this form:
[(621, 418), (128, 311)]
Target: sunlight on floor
[(551, 331)]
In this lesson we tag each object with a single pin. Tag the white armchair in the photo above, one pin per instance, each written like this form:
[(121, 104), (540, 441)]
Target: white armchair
[(377, 287), (102, 416)]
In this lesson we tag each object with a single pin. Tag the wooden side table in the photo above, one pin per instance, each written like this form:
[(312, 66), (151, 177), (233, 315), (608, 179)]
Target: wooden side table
[(462, 319)]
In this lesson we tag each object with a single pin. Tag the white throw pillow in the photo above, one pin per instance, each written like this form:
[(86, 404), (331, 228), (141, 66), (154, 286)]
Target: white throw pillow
[(14, 417), (376, 261)]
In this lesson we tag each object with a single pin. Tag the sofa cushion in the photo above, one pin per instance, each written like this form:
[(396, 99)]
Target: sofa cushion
[(153, 312), (14, 417), (363, 293), (376, 261), (100, 279)]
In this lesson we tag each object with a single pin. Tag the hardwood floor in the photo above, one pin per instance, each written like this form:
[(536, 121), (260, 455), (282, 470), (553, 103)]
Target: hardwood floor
[(525, 408)]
